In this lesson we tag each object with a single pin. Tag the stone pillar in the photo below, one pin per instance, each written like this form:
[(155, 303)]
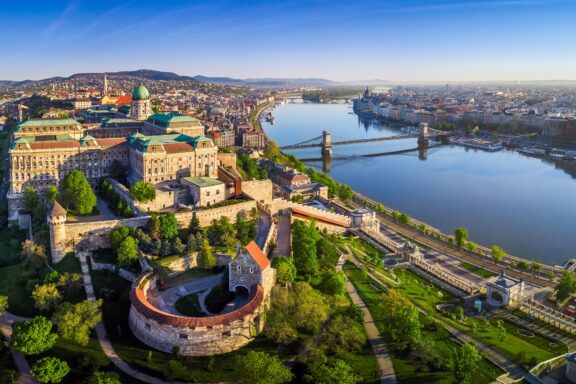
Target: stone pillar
[(326, 144)]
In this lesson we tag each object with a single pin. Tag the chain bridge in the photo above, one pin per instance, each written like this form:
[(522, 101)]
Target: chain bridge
[(326, 143)]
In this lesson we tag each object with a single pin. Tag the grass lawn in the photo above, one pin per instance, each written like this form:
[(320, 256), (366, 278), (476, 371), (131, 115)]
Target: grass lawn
[(189, 306), (538, 347), (406, 370), (477, 270)]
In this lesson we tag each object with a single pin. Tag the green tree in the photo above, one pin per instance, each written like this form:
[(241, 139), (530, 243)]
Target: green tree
[(51, 194), (333, 283), (272, 151), (154, 226), (168, 225), (501, 331), (311, 309), (304, 237), (76, 321), (330, 371), (77, 193), (566, 286), (285, 269), (103, 378), (262, 368), (466, 361), (128, 251), (33, 337), (207, 258), (461, 235), (3, 304), (498, 253), (535, 267), (118, 171), (117, 235), (194, 227), (49, 370), (404, 219), (401, 318), (31, 199), (472, 247), (174, 370), (142, 191), (46, 296), (343, 334), (326, 254)]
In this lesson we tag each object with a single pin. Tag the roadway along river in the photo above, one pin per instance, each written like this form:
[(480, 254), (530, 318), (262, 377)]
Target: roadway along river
[(526, 205)]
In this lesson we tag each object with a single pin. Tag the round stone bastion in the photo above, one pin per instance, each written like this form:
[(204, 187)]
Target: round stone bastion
[(194, 336)]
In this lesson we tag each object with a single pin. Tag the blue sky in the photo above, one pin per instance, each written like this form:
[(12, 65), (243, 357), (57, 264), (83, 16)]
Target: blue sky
[(409, 40)]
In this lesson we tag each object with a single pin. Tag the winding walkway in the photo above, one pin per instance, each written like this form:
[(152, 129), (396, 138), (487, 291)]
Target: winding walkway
[(381, 349), (105, 343), (6, 322)]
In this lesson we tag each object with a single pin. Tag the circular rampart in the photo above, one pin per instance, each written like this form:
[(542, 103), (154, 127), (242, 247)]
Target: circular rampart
[(193, 336)]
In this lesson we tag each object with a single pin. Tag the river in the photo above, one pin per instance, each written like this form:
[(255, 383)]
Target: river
[(525, 205)]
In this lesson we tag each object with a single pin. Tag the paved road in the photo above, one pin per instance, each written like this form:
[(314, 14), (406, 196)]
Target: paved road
[(6, 322), (283, 237), (381, 349)]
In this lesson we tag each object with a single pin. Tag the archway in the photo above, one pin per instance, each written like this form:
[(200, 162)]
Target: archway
[(497, 297)]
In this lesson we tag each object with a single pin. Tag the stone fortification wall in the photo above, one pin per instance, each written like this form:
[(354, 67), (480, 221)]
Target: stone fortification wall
[(125, 194), (227, 160), (180, 264), (281, 205), (195, 336), (205, 216), (94, 234), (259, 190)]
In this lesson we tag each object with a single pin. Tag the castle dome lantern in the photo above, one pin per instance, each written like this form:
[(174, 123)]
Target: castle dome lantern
[(140, 92)]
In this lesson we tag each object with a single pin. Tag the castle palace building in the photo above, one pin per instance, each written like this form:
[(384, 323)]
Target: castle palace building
[(153, 147), (171, 157)]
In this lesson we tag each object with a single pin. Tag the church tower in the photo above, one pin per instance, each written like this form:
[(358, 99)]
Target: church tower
[(141, 103)]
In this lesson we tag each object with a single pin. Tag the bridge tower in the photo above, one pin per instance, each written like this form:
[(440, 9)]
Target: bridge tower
[(326, 144), (423, 135)]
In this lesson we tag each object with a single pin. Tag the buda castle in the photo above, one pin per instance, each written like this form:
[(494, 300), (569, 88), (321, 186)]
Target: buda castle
[(154, 147)]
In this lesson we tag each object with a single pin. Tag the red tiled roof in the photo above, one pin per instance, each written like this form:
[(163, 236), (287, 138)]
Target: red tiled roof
[(123, 100), (143, 306), (111, 141), (259, 257), (177, 147), (304, 215), (54, 145)]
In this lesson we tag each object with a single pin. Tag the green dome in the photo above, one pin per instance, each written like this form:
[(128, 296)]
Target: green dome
[(140, 93)]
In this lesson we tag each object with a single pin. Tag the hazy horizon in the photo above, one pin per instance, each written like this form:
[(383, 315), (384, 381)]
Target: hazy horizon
[(411, 41)]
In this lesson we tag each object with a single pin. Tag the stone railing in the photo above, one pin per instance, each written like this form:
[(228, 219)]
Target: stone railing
[(101, 266)]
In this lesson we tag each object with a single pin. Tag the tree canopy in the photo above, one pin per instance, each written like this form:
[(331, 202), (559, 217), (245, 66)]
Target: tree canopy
[(466, 361), (168, 225), (75, 321), (498, 253), (142, 191), (331, 371), (566, 286), (285, 269), (77, 193), (103, 378), (46, 296), (304, 237), (460, 235), (262, 368), (49, 370), (128, 251), (33, 337)]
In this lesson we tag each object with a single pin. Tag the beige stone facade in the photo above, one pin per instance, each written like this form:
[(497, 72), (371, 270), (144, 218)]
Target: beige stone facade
[(205, 191)]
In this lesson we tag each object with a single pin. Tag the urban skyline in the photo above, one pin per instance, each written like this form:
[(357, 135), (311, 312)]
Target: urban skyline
[(424, 41)]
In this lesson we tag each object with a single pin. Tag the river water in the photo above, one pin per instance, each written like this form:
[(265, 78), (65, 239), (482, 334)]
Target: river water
[(525, 205)]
